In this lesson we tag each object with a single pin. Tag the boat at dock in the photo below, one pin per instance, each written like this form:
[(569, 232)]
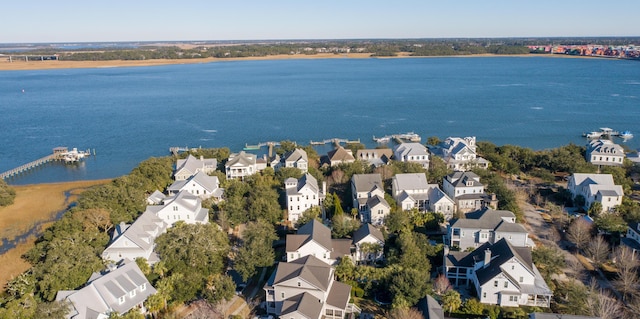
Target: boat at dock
[(604, 132), (409, 136), (625, 135), (73, 155), (382, 140)]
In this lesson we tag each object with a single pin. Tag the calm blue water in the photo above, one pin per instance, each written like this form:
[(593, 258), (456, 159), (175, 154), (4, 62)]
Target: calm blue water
[(130, 114)]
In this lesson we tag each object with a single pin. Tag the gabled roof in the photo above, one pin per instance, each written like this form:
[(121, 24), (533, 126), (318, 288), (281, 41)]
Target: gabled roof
[(305, 304), (311, 231), (307, 180), (460, 179), (365, 183), (142, 232), (101, 294), (501, 252), (156, 197), (583, 179), (341, 247), (406, 149), (339, 295), (604, 147), (373, 201), (209, 183), (312, 270), (296, 155), (341, 154), (430, 308), (241, 159), (193, 164), (410, 181), (486, 219), (366, 230), (436, 194)]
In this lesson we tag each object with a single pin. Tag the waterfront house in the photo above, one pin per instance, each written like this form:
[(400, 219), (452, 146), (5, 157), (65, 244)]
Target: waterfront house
[(368, 242), (376, 157), (305, 289), (155, 198), (459, 153), (604, 152), (368, 197), (240, 165), (200, 184), (413, 153), (115, 291), (314, 238), (181, 207), (302, 194), (297, 159), (484, 226), (340, 155), (466, 191), (136, 240), (188, 167), (596, 188), (501, 273), (412, 190)]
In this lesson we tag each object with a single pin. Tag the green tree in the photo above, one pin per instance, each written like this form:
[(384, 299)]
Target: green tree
[(595, 209), (549, 260), (308, 215), (433, 140), (257, 249), (451, 301), (472, 306), (343, 226), (399, 222), (7, 194), (345, 270), (337, 205), (407, 286), (219, 287)]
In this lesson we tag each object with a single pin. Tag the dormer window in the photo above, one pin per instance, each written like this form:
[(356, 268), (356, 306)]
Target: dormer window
[(121, 300), (132, 293), (143, 286)]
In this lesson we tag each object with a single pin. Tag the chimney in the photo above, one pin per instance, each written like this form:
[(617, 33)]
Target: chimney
[(487, 258), (324, 188)]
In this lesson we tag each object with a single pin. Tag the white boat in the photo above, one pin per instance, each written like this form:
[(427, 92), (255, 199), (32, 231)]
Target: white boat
[(626, 135), (410, 136), (74, 155), (592, 135), (382, 140)]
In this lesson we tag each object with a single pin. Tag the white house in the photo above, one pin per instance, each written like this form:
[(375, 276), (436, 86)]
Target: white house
[(188, 167), (340, 155), (314, 239), (501, 273), (376, 157), (413, 191), (486, 226), (135, 240), (156, 198), (633, 232), (241, 165), (368, 197), (466, 191), (305, 289), (604, 152), (459, 153), (596, 188), (118, 291), (365, 239), (302, 194), (181, 207), (412, 152), (297, 159), (200, 184)]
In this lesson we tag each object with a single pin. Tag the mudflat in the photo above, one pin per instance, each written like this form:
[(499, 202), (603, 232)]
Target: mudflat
[(33, 204)]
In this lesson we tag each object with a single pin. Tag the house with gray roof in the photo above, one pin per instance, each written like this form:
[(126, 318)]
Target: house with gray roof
[(413, 153), (241, 165), (413, 191), (181, 207), (430, 308), (305, 288), (116, 291), (501, 273), (136, 240), (367, 193), (340, 155), (596, 188), (376, 157), (484, 226), (466, 191), (368, 242), (302, 194), (188, 167), (200, 184), (297, 159), (314, 238), (459, 153), (156, 198), (604, 152)]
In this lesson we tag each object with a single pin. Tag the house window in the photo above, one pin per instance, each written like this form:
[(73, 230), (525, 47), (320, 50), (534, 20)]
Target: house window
[(484, 295), (495, 283), (329, 312), (521, 279), (143, 286), (175, 208), (506, 284), (132, 293), (282, 295), (338, 313), (121, 300), (513, 267), (298, 284), (513, 298)]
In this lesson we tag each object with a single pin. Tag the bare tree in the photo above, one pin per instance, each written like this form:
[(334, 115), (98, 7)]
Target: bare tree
[(441, 284), (628, 281), (601, 305), (405, 313), (598, 250), (579, 233)]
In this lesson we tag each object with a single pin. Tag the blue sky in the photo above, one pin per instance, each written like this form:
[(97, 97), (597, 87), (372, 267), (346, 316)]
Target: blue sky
[(160, 20)]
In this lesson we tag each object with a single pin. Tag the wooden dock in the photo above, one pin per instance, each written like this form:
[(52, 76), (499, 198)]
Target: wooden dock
[(58, 155)]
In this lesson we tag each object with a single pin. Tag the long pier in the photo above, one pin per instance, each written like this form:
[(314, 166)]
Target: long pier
[(28, 166), (336, 141)]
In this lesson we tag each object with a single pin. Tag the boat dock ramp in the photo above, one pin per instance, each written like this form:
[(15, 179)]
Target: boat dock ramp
[(59, 154)]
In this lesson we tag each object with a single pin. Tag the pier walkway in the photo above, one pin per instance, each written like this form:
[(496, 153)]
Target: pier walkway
[(28, 166)]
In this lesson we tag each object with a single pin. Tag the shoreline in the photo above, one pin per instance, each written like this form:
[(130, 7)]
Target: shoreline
[(53, 64)]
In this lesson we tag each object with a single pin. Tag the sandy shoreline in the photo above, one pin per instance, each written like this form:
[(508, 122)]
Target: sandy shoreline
[(5, 65)]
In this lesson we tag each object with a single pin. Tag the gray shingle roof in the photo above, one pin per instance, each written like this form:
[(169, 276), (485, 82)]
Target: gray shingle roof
[(460, 179), (242, 159), (484, 219), (305, 304), (502, 252), (340, 154), (309, 268), (366, 230), (366, 182), (192, 164), (339, 295), (411, 181), (313, 230)]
